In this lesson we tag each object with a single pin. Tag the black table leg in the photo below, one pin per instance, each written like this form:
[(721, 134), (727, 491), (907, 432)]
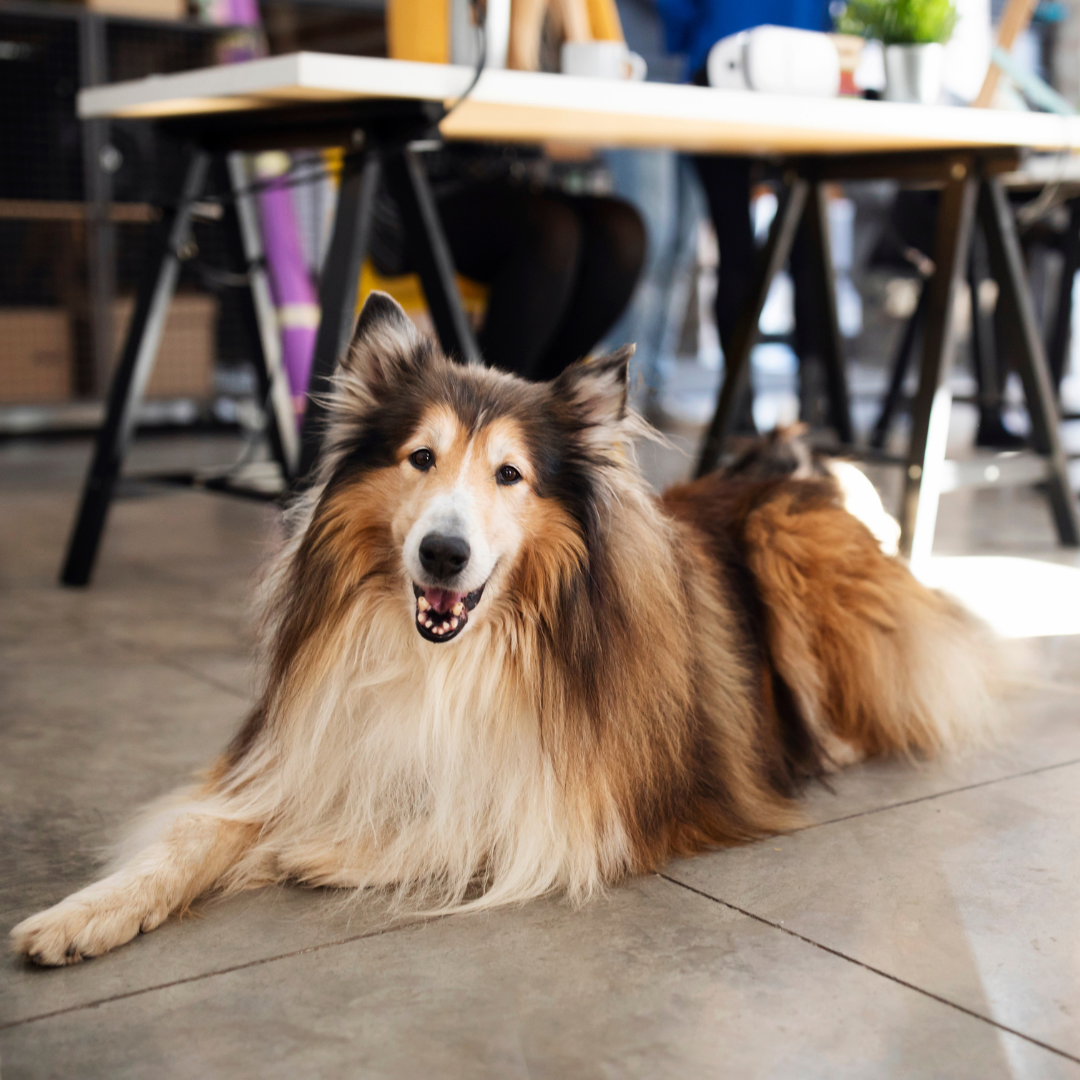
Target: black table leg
[(827, 328), (1061, 332), (430, 254), (933, 401), (1007, 265), (260, 320), (132, 374), (737, 358), (337, 294), (900, 365)]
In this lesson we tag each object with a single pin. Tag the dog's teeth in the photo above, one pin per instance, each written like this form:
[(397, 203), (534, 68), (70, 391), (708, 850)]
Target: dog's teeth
[(422, 604), (457, 609), (453, 624), (419, 616)]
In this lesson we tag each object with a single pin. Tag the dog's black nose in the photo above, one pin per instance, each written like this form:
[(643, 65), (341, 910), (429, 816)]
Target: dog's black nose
[(443, 557)]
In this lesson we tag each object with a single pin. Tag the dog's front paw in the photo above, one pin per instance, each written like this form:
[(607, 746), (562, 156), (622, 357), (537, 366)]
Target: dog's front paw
[(86, 924)]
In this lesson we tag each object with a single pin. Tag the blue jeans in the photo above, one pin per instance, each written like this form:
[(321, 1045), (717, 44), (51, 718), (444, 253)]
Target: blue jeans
[(664, 189)]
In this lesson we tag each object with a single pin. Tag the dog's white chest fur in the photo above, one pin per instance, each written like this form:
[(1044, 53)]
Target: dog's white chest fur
[(413, 762)]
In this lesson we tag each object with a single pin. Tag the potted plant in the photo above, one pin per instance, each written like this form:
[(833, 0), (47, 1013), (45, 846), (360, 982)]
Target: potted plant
[(913, 33)]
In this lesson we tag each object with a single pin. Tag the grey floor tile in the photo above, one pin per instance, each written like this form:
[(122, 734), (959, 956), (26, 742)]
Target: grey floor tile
[(88, 737), (218, 935), (1055, 661), (91, 731), (112, 695), (1043, 729), (971, 895), (653, 982)]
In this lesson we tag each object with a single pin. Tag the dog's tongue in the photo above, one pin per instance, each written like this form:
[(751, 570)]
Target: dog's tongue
[(442, 600)]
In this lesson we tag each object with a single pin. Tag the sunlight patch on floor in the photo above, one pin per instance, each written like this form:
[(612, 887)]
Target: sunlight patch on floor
[(1018, 597)]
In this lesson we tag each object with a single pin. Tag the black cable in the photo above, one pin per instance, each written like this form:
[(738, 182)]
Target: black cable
[(480, 14), (283, 180)]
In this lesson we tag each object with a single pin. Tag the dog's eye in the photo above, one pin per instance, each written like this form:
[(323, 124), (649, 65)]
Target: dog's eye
[(507, 475), (422, 459)]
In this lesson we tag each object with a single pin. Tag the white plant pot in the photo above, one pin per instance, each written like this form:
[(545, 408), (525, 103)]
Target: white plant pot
[(914, 72)]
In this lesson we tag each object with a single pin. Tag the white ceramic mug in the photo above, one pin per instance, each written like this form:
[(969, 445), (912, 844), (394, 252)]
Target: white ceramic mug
[(602, 60), (776, 60)]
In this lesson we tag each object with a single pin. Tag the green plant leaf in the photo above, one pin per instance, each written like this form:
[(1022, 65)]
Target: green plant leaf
[(899, 22)]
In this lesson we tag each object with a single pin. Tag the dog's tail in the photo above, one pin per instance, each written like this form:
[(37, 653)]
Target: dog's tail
[(877, 662)]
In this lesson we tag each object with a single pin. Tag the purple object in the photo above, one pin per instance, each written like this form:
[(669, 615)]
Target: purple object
[(290, 282), (245, 13), (294, 294)]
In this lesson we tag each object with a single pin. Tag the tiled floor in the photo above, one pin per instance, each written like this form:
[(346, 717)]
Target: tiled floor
[(925, 923)]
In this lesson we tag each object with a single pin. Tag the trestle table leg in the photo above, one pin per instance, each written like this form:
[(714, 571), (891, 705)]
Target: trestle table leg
[(132, 375)]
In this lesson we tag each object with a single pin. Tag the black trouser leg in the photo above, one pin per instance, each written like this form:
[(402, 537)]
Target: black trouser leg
[(1061, 332), (608, 267), (429, 252), (987, 373), (816, 325), (726, 182), (741, 341), (525, 246), (612, 254), (560, 269), (132, 374)]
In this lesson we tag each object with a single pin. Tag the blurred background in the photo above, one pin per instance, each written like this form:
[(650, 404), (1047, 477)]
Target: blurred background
[(76, 201)]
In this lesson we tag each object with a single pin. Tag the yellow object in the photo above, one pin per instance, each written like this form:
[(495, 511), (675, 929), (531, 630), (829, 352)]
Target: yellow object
[(409, 293), (418, 30), (604, 20), (334, 158)]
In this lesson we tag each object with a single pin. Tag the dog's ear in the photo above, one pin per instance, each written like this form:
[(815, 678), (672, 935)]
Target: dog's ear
[(384, 342), (599, 386)]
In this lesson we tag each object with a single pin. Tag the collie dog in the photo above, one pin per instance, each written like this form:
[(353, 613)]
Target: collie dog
[(497, 666)]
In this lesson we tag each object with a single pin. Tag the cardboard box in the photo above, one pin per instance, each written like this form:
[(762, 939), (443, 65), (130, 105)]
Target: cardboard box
[(186, 358), (36, 356), (141, 9)]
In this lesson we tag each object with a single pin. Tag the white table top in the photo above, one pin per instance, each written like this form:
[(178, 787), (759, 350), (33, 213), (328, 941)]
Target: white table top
[(515, 106)]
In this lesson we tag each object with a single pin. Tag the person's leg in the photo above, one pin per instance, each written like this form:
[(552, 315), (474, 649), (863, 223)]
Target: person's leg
[(992, 344), (612, 254), (813, 407), (650, 181), (526, 247), (726, 181)]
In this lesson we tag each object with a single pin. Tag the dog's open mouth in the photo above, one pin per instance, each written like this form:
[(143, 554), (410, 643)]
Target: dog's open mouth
[(442, 614)]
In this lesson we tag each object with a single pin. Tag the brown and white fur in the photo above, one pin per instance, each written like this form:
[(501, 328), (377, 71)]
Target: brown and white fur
[(640, 678)]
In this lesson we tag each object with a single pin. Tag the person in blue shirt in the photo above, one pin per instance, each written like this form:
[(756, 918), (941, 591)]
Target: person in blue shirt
[(692, 27)]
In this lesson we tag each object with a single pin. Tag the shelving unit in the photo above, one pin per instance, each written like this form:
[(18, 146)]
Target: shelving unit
[(103, 190), (65, 180)]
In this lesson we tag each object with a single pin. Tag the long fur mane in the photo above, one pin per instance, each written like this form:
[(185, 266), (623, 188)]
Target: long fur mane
[(647, 677), (574, 736)]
